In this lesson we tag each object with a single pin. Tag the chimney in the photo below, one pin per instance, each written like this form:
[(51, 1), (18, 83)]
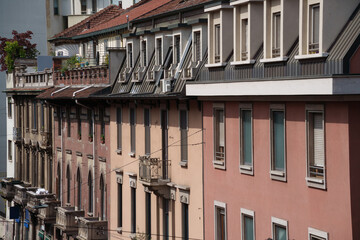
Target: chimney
[(120, 4)]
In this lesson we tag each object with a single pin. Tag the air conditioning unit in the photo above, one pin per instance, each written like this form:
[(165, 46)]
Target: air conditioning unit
[(124, 76), (165, 85)]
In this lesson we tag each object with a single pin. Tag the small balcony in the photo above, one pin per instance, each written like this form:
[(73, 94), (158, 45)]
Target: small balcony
[(153, 171), (48, 214), (83, 76), (7, 190), (92, 228), (34, 200), (21, 197), (65, 219), (17, 134), (45, 140)]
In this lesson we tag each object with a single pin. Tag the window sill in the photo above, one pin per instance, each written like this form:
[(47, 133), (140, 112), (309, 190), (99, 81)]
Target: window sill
[(214, 65), (119, 230), (315, 183), (278, 175), (183, 164), (238, 2), (90, 214), (311, 56), (246, 169), (118, 151), (132, 154), (273, 60), (246, 62), (219, 164)]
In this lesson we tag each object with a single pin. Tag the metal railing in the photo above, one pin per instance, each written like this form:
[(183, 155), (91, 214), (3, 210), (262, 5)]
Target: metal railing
[(316, 171), (313, 48), (275, 52)]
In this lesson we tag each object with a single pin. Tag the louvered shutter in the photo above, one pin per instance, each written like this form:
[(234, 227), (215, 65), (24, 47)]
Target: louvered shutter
[(318, 140)]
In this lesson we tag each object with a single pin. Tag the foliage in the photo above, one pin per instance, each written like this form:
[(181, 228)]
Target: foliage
[(23, 48), (106, 59), (71, 63)]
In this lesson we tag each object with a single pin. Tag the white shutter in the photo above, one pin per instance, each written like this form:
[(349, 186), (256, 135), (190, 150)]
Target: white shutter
[(221, 129), (318, 140)]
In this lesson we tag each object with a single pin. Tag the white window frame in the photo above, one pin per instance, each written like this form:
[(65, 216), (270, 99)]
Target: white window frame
[(142, 52), (244, 39), (130, 62), (219, 205), (313, 182), (197, 30), (274, 31), (310, 28), (217, 163), (161, 52), (317, 233), (246, 169), (175, 56), (184, 162), (275, 174), (280, 222), (245, 212)]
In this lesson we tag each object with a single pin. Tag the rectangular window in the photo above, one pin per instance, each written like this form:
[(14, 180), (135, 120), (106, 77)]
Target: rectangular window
[(119, 128), (42, 117), (217, 43), (315, 146), (106, 45), (148, 215), (9, 108), (147, 130), (117, 42), (276, 32), (35, 116), (164, 143), (220, 221), (83, 6), (91, 127), (27, 106), (94, 6), (177, 49), (244, 39), (278, 143), (247, 225), (197, 46), (166, 219), (79, 122), (119, 205), (184, 135), (68, 122), (132, 130), (9, 150), (279, 229), (246, 138), (159, 51), (219, 136), (58, 111), (314, 25), (130, 55), (185, 221), (102, 125), (56, 7), (143, 53), (315, 234), (133, 210)]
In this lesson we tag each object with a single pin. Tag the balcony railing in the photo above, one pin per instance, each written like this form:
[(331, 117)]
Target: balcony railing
[(21, 196), (34, 200), (244, 56), (151, 170), (83, 76), (48, 214), (65, 219), (36, 79), (92, 228), (276, 52), (313, 48), (7, 190), (316, 172), (17, 134), (45, 140)]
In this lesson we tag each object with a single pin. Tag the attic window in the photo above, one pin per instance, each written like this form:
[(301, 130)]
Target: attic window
[(83, 6)]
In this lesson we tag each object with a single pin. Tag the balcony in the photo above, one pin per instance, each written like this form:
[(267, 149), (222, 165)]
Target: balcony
[(17, 134), (83, 76), (21, 197), (48, 214), (45, 140), (7, 190), (153, 170), (33, 80), (92, 228), (34, 200), (65, 219)]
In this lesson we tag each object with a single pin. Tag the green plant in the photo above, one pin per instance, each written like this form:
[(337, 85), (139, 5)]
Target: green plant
[(64, 69), (13, 50), (102, 138), (106, 61)]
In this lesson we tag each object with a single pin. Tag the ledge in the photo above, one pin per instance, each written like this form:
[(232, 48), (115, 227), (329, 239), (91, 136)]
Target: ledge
[(274, 60), (315, 183), (118, 151), (213, 65), (247, 62), (312, 56), (183, 163), (131, 174), (239, 2)]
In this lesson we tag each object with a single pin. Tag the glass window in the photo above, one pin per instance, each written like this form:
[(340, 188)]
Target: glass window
[(248, 227), (147, 130), (79, 122), (83, 6), (119, 205), (78, 180), (278, 140), (9, 108), (68, 122), (9, 150), (148, 215), (177, 49), (143, 53), (91, 129), (219, 134), (314, 21), (90, 192), (56, 7), (276, 32), (279, 232), (197, 46), (130, 55), (184, 135), (185, 221), (220, 220), (217, 43), (133, 210), (244, 39), (42, 117), (246, 137), (132, 130), (159, 51), (35, 115), (166, 218), (94, 6), (68, 178), (119, 128), (102, 198)]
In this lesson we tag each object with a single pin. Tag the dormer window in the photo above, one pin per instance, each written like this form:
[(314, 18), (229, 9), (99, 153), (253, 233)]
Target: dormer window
[(177, 51), (159, 51), (276, 34), (244, 39), (314, 26), (83, 6), (197, 46), (143, 53), (217, 43), (130, 55)]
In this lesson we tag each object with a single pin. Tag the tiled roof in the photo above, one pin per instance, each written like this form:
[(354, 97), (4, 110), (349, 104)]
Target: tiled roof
[(68, 93), (133, 12), (94, 20), (173, 5)]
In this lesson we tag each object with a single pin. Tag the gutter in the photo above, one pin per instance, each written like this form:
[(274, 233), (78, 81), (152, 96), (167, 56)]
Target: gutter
[(82, 89), (104, 31), (61, 89)]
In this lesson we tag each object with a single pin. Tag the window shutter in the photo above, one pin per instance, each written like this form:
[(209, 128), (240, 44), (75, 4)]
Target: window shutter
[(221, 128), (318, 140)]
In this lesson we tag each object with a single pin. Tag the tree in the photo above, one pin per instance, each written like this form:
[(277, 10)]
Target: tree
[(17, 47)]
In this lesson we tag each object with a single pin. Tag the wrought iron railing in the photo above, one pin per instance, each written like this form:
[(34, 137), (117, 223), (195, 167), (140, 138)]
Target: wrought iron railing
[(316, 171)]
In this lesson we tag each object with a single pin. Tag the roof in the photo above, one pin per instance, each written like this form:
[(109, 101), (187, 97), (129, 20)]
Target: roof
[(96, 19), (68, 92), (132, 12)]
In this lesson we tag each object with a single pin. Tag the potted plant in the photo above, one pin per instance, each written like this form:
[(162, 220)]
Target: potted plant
[(102, 138), (90, 137)]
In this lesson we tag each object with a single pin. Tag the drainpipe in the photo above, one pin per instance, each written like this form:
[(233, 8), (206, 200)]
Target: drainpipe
[(94, 158)]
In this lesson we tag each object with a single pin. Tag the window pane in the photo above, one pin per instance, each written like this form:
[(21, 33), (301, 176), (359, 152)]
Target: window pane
[(183, 129), (132, 129), (147, 130), (246, 137), (315, 15), (217, 43), (248, 228), (119, 205), (143, 48), (159, 51), (219, 135), (118, 121), (177, 49), (280, 233), (316, 144), (278, 140), (244, 39), (220, 224), (197, 45)]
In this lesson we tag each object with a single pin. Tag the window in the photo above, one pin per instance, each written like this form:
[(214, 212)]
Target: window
[(102, 125), (177, 49), (90, 192), (279, 229), (9, 108), (68, 178), (246, 145), (27, 106), (102, 198), (276, 32), (56, 7), (164, 143), (315, 145), (106, 45), (244, 39), (219, 136), (9, 150), (117, 41), (148, 215), (68, 122), (220, 221), (42, 173), (143, 53), (94, 6), (184, 135), (278, 164), (197, 46), (35, 116), (147, 130), (247, 225), (130, 55), (79, 123), (119, 128), (132, 131), (159, 51), (42, 117), (83, 6), (58, 182), (119, 205), (91, 127), (58, 111), (314, 25), (185, 220), (315, 234), (133, 210), (217, 43), (78, 181), (166, 218)]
